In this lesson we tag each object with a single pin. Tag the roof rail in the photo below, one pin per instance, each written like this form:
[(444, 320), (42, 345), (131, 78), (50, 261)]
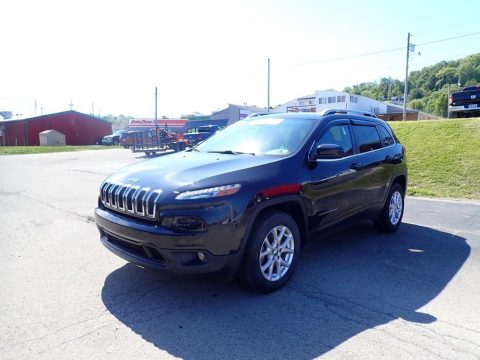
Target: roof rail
[(347, 111)]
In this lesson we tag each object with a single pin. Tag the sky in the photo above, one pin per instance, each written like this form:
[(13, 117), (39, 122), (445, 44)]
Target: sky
[(107, 57)]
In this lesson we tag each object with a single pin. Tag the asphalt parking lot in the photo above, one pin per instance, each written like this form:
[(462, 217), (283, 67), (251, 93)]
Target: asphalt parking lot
[(355, 295)]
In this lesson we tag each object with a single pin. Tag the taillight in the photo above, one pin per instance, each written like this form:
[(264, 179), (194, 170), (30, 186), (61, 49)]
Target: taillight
[(450, 100)]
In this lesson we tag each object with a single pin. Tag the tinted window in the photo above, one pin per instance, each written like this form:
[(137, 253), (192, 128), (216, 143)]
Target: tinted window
[(338, 135), (385, 136), (367, 138)]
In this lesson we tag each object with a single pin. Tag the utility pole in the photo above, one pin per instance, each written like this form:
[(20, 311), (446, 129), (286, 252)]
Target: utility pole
[(156, 121), (405, 93), (268, 87)]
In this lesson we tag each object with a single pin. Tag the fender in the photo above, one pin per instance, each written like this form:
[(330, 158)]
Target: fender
[(256, 207)]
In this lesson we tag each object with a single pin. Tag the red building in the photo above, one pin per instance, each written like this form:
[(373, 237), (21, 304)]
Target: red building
[(79, 129)]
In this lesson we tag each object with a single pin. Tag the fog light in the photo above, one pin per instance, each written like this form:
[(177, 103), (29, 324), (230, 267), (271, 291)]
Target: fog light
[(201, 256)]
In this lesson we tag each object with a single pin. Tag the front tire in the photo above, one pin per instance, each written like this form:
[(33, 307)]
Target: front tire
[(272, 253), (391, 215)]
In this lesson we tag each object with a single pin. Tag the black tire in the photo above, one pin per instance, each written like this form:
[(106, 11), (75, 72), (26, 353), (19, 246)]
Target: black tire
[(268, 224), (391, 215)]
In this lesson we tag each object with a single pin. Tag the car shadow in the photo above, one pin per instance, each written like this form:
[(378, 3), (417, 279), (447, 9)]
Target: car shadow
[(346, 283)]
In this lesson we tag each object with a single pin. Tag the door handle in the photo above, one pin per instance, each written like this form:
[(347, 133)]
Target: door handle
[(356, 166)]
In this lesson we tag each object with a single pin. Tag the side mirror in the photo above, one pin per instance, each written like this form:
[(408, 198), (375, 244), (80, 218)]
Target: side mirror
[(328, 151)]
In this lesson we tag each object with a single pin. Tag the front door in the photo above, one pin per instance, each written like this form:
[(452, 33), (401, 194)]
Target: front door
[(334, 189)]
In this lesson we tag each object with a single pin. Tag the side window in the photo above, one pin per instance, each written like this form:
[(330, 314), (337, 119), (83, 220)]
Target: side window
[(367, 138), (338, 135), (385, 136)]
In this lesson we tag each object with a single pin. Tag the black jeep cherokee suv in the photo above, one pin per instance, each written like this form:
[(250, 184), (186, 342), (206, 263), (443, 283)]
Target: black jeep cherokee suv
[(247, 198)]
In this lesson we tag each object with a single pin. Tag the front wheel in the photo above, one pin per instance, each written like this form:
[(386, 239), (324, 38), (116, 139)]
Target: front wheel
[(272, 253), (392, 213)]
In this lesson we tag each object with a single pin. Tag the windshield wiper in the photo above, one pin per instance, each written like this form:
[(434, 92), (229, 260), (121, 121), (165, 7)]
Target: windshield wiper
[(231, 152)]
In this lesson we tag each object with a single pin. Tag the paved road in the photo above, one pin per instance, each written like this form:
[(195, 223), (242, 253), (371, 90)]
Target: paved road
[(355, 295)]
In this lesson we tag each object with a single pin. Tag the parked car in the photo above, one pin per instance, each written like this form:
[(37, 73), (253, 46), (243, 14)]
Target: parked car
[(203, 133), (113, 139), (247, 199)]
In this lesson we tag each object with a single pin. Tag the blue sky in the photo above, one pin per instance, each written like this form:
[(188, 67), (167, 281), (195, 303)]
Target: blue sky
[(205, 54)]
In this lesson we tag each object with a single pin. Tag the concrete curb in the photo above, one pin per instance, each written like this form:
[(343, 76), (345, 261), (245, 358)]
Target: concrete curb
[(447, 200)]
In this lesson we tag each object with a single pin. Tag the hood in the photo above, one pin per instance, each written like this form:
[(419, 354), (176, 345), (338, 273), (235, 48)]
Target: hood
[(192, 170)]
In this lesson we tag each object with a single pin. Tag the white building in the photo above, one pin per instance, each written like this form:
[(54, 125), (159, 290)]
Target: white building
[(331, 99), (52, 138)]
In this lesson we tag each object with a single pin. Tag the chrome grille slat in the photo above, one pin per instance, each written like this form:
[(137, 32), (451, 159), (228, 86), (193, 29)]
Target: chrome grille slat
[(113, 200), (152, 214), (130, 199)]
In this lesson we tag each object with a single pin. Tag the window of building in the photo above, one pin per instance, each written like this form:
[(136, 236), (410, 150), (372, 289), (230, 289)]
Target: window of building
[(367, 138), (332, 99), (322, 101), (354, 99), (338, 135), (341, 98)]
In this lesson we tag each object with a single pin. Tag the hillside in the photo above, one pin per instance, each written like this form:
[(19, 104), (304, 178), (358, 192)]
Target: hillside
[(443, 157), (428, 87)]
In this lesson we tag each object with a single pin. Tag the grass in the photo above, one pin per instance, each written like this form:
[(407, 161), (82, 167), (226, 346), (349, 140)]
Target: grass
[(17, 150), (443, 157)]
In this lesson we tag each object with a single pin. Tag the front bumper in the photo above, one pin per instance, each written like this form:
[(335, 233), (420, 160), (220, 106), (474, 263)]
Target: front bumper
[(151, 246)]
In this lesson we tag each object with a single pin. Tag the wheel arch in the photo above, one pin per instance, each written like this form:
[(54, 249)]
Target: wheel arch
[(402, 181), (291, 205)]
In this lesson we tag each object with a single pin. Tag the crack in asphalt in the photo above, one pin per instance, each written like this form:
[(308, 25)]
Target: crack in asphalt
[(76, 338), (31, 340), (86, 218), (336, 308), (88, 172)]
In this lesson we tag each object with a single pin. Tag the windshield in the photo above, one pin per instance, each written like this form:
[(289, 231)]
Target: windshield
[(260, 135)]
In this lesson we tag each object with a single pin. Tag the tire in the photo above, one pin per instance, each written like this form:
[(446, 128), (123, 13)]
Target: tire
[(268, 263), (391, 215)]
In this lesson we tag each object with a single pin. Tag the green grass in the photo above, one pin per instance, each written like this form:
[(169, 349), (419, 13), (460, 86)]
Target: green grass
[(17, 150), (443, 157)]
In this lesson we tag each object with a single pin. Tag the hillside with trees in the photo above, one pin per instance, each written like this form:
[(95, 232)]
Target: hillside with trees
[(428, 88)]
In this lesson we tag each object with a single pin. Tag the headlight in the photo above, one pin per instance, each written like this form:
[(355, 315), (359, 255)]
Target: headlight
[(212, 192)]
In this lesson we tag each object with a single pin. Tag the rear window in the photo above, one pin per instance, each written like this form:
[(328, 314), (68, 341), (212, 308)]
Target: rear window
[(367, 138), (385, 136)]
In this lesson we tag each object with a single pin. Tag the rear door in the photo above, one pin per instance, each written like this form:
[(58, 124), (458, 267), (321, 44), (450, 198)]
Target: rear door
[(373, 169)]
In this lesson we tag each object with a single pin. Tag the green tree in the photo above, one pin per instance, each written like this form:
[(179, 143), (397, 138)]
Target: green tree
[(428, 87)]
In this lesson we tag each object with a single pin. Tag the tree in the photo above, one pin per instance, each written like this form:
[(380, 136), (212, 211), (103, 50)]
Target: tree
[(428, 86), (416, 104)]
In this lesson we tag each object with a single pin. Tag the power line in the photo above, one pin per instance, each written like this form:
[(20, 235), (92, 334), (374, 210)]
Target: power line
[(380, 51), (447, 39), (347, 57)]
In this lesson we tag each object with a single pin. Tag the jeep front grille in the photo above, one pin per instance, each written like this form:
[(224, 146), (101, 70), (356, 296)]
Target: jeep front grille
[(128, 199)]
